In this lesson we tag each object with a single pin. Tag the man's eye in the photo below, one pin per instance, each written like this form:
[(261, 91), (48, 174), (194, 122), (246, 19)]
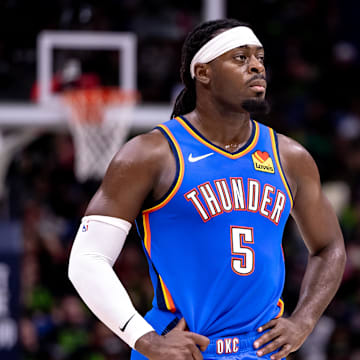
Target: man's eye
[(240, 57), (261, 58)]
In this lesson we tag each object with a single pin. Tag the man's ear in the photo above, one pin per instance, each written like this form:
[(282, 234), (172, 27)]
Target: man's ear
[(202, 73)]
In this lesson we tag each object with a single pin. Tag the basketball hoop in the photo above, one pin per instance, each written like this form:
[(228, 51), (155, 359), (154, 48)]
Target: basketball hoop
[(99, 122)]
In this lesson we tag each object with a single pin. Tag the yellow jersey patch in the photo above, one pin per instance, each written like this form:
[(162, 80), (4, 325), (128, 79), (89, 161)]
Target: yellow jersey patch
[(263, 162)]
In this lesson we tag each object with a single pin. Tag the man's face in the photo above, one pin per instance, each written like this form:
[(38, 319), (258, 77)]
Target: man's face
[(239, 76)]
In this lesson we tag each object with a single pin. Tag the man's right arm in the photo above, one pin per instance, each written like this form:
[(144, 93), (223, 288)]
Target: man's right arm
[(145, 166), (131, 177)]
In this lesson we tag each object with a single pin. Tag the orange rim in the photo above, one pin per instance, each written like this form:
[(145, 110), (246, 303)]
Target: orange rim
[(87, 105)]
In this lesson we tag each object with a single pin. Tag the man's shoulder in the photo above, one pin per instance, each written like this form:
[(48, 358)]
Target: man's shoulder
[(298, 163), (144, 150), (291, 149), (147, 146), (152, 139)]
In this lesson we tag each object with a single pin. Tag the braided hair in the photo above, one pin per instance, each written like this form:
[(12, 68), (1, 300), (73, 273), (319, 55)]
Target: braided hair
[(186, 100)]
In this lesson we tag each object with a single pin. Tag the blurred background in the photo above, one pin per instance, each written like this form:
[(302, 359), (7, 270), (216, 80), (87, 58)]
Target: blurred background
[(312, 58)]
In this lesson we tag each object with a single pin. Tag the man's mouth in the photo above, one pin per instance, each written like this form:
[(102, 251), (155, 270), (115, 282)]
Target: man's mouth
[(258, 85)]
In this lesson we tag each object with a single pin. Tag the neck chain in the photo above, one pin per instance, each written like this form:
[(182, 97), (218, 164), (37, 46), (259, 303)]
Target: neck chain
[(231, 147)]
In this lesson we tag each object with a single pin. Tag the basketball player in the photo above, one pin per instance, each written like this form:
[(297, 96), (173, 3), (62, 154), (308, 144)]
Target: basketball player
[(211, 191)]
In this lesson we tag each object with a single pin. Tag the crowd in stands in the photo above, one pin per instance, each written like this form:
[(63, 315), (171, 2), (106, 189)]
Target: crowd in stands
[(312, 57)]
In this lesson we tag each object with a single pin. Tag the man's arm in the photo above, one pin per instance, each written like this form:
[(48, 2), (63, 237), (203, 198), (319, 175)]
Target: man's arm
[(132, 176), (321, 233), (144, 167)]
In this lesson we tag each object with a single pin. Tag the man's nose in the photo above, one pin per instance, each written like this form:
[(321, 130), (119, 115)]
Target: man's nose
[(255, 65)]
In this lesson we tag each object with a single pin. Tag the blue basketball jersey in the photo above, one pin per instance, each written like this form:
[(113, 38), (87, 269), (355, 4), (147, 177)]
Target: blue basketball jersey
[(213, 242)]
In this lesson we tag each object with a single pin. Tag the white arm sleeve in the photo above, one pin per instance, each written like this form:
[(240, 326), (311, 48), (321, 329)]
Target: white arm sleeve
[(97, 245)]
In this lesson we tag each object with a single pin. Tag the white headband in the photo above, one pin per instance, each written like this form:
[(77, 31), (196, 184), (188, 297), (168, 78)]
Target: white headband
[(220, 44)]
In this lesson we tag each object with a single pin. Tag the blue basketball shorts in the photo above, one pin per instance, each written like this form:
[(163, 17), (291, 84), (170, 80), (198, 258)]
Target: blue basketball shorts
[(238, 347)]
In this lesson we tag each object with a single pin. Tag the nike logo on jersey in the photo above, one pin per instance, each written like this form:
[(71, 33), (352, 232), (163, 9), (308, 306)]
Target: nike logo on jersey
[(192, 158), (126, 324)]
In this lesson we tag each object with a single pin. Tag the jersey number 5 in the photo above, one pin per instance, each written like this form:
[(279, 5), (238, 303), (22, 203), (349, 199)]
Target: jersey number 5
[(244, 262)]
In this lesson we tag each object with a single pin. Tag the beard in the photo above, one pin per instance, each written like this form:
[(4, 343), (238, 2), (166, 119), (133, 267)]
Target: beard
[(256, 106)]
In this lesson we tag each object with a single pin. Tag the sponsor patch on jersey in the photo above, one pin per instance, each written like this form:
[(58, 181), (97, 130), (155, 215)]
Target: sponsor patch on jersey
[(263, 162)]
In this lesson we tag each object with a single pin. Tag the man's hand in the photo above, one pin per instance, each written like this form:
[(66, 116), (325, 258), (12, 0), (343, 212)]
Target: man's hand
[(285, 335), (178, 344)]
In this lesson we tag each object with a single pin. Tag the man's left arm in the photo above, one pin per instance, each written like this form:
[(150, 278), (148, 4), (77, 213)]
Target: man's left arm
[(321, 233)]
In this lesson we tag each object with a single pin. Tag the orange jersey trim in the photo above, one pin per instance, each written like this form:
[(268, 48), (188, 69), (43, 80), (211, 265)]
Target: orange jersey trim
[(277, 160), (282, 251), (281, 305), (180, 176), (167, 296), (215, 148), (147, 234)]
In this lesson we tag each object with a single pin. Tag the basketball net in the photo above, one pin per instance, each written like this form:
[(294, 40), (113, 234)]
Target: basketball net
[(98, 137)]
